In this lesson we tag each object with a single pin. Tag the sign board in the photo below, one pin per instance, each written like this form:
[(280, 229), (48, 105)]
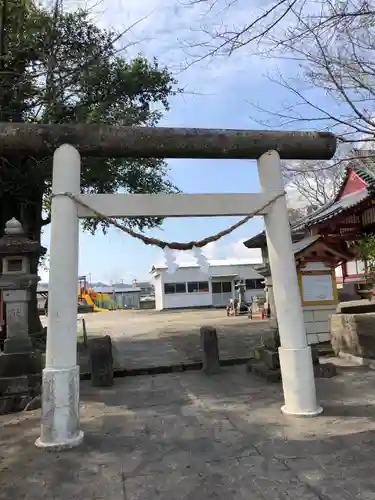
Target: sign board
[(317, 287)]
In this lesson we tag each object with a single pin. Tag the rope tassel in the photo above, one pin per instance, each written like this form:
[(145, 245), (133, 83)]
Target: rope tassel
[(201, 259), (170, 260)]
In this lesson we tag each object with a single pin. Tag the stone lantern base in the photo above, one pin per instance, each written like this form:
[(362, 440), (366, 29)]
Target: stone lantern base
[(20, 380), (266, 361), (20, 367)]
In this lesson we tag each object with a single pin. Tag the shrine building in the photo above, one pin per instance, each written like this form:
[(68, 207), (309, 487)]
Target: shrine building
[(322, 240)]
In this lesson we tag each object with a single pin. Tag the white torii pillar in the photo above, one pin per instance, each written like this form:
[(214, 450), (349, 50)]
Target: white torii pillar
[(60, 392), (295, 354)]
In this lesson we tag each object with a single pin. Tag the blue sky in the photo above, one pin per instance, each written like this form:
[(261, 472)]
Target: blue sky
[(218, 95)]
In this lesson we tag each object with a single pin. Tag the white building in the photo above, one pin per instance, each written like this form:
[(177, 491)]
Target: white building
[(189, 286)]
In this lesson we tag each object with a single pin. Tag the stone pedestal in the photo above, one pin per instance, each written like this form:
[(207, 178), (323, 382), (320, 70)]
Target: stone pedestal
[(20, 367), (354, 334), (20, 380), (266, 361), (16, 306), (356, 307)]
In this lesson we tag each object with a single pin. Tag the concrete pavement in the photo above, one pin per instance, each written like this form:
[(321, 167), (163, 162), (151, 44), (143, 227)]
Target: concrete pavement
[(192, 437)]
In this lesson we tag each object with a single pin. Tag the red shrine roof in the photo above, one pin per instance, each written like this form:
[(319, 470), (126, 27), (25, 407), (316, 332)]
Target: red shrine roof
[(357, 185), (331, 209)]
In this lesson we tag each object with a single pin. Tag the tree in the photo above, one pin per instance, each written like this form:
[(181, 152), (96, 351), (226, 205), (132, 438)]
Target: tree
[(315, 183), (58, 67), (294, 214), (338, 61), (331, 46)]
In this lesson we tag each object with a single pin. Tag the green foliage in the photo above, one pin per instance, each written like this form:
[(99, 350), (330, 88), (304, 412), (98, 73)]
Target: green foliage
[(62, 68), (364, 250)]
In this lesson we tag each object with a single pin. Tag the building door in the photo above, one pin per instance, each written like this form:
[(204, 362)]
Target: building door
[(221, 293)]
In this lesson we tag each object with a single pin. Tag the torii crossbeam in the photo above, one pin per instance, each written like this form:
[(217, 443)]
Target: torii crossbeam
[(17, 139)]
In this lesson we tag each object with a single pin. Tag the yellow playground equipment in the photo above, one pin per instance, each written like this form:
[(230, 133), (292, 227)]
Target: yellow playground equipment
[(87, 298), (100, 301)]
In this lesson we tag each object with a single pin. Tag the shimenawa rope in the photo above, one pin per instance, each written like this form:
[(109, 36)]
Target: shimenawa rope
[(174, 245)]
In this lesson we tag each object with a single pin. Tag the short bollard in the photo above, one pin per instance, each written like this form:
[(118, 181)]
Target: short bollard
[(84, 332), (210, 350), (101, 361)]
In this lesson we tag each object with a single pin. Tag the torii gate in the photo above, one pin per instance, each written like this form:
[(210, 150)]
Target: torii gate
[(60, 425)]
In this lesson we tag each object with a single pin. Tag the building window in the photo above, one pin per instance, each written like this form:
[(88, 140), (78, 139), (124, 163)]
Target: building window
[(197, 286), (221, 287), (254, 284), (174, 288)]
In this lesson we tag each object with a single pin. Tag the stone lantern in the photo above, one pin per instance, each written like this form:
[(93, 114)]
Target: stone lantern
[(20, 367), (241, 306), (268, 288)]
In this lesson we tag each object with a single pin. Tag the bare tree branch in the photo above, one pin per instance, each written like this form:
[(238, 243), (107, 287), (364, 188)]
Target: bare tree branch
[(331, 44), (224, 38)]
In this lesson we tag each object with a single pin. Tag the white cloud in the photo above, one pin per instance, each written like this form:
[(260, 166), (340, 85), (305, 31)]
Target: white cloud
[(295, 199), (238, 251), (218, 251), (168, 29), (43, 275)]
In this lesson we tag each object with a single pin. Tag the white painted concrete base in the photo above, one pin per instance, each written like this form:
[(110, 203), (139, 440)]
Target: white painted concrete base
[(60, 409), (298, 382), (69, 443), (315, 413)]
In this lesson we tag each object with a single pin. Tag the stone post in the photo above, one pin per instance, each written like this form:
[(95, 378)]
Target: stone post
[(295, 354), (20, 367), (210, 350)]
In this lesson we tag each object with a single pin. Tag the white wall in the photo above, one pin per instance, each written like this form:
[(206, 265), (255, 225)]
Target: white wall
[(250, 293), (338, 272), (317, 323), (194, 273), (159, 292), (244, 271), (355, 267), (184, 275), (175, 300)]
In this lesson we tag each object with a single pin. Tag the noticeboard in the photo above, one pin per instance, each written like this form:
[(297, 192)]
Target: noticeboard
[(317, 287)]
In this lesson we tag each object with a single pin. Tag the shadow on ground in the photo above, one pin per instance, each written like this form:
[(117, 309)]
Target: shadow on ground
[(190, 436), (172, 347)]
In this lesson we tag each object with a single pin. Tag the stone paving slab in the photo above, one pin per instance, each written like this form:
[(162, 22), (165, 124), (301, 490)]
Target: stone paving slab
[(148, 339), (192, 437)]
